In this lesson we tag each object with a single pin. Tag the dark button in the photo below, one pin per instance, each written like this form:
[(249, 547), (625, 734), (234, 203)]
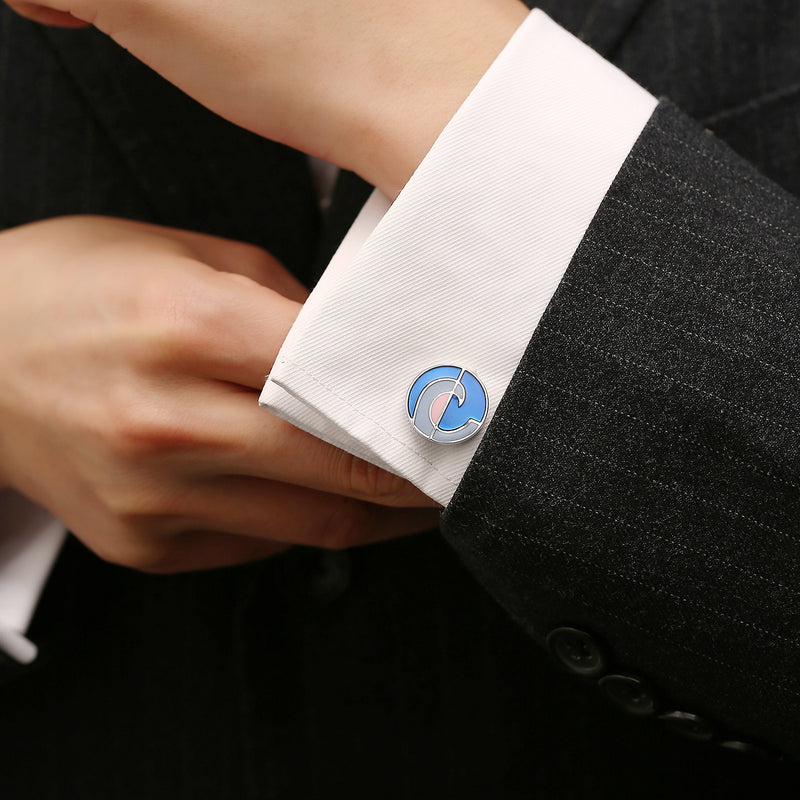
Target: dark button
[(629, 693), (689, 725), (744, 747), (577, 652), (320, 576)]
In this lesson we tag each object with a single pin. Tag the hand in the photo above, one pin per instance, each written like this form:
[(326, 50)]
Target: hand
[(131, 357), (366, 84)]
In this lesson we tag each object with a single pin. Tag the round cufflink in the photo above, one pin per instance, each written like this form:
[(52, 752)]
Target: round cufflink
[(447, 404)]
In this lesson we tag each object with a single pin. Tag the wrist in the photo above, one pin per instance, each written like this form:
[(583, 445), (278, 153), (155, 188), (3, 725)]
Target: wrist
[(397, 112)]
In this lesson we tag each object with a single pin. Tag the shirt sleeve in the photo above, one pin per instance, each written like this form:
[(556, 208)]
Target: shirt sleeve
[(30, 541), (446, 285)]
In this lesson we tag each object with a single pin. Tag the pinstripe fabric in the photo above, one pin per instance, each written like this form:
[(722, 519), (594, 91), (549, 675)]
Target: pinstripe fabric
[(654, 423), (735, 66), (672, 489), (250, 683)]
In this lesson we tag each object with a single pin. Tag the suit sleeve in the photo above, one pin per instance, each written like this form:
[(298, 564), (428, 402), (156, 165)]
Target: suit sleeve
[(639, 483), (633, 503)]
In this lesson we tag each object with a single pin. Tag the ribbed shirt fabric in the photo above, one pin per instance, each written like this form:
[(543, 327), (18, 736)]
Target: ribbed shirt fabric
[(460, 268)]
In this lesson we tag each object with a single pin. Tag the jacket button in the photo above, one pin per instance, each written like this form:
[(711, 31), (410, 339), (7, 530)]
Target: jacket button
[(577, 652), (629, 693), (744, 747), (689, 725)]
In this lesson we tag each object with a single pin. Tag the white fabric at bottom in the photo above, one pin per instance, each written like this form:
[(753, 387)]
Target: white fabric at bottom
[(30, 540), (460, 268)]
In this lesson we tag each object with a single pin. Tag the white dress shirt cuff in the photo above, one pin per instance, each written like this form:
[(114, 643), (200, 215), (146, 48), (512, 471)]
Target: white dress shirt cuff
[(30, 540), (459, 269)]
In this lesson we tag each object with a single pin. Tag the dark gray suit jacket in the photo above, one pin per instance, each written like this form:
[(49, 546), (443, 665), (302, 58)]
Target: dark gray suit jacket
[(654, 419), (637, 487)]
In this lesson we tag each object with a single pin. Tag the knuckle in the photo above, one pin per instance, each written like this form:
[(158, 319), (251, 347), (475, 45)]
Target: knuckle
[(250, 260), (256, 257), (177, 316), (136, 429), (138, 511), (138, 533)]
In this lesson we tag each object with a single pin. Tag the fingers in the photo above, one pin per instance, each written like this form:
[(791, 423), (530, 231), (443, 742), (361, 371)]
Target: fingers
[(233, 520), (242, 439), (291, 515), (201, 429), (250, 520)]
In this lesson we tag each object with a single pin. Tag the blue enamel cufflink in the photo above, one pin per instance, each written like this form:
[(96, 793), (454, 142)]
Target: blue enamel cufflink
[(447, 404)]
